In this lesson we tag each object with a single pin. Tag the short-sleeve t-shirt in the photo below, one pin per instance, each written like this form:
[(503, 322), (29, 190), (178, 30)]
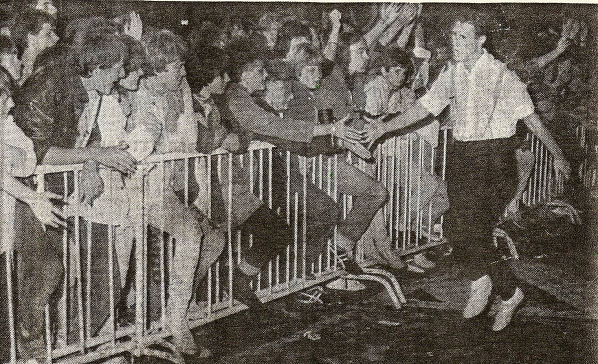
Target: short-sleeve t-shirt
[(486, 102)]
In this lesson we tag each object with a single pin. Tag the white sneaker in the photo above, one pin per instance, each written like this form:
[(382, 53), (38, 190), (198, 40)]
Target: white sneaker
[(421, 260), (506, 310), (478, 297)]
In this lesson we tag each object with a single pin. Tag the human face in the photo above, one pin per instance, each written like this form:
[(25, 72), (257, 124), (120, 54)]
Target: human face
[(218, 84), (254, 78), (467, 47), (359, 58), (172, 77), (105, 79), (131, 82), (6, 104), (294, 45), (12, 64), (47, 6), (278, 95), (310, 76), (395, 75), (46, 38)]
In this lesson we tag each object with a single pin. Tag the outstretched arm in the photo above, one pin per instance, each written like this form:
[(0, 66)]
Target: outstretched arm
[(536, 126), (376, 130)]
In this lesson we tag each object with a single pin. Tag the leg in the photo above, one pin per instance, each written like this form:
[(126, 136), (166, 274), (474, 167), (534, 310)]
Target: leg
[(188, 228), (368, 194), (39, 272)]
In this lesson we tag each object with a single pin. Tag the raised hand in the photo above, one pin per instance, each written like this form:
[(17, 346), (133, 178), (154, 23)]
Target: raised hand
[(134, 27), (335, 18), (389, 12)]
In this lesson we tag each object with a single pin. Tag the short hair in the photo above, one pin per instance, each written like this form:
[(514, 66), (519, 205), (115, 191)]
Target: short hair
[(242, 54), (7, 16), (343, 53), (137, 59), (7, 46), (473, 17), (312, 57), (163, 47), (8, 85), (268, 19), (393, 57), (101, 50), (30, 21), (205, 65), (288, 31), (77, 28)]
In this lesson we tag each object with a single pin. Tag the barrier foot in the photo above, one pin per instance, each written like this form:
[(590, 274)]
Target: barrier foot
[(382, 280), (391, 278), (171, 354)]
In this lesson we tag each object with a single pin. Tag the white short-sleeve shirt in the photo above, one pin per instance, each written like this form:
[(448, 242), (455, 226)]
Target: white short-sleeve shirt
[(486, 102)]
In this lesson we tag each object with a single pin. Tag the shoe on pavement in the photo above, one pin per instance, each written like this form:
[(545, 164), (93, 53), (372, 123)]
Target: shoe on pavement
[(178, 325), (478, 297), (421, 260), (242, 290), (506, 310), (388, 256), (414, 268)]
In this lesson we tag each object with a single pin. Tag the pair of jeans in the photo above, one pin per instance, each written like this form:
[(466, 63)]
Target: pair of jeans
[(481, 180)]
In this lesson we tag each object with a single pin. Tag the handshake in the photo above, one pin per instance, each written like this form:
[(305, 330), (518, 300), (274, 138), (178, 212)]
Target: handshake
[(355, 131)]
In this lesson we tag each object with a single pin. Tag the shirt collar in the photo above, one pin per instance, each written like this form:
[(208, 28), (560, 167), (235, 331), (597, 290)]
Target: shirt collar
[(481, 62)]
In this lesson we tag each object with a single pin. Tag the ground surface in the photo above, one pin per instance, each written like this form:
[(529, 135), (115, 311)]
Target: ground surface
[(362, 328), (556, 323)]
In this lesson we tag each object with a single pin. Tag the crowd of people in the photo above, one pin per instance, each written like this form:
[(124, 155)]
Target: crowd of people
[(111, 92)]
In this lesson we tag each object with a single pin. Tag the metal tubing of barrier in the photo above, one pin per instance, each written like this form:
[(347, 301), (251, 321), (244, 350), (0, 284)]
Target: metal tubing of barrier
[(219, 301)]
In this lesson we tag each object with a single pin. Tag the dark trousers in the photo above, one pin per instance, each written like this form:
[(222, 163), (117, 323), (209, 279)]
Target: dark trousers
[(322, 213), (481, 180), (39, 270)]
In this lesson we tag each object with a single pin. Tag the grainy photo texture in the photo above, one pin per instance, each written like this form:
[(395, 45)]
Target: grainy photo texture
[(210, 182)]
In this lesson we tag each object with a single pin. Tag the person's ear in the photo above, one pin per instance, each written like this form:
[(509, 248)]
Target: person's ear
[(481, 40)]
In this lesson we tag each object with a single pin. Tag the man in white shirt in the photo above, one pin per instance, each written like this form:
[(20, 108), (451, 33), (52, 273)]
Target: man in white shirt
[(486, 101)]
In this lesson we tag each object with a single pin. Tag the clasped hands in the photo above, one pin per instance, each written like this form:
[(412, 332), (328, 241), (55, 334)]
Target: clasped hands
[(372, 131)]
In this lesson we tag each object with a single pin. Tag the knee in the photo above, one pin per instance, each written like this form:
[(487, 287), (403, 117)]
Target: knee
[(379, 192), (214, 241)]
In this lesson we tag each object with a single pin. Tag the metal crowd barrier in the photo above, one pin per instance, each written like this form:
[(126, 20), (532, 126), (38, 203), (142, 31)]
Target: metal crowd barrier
[(542, 184), (587, 138), (69, 336)]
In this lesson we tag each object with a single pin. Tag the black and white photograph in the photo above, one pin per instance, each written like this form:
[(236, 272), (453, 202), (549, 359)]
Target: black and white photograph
[(298, 182)]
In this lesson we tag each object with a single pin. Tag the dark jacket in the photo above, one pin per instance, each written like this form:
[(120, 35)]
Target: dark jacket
[(48, 108), (251, 117)]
